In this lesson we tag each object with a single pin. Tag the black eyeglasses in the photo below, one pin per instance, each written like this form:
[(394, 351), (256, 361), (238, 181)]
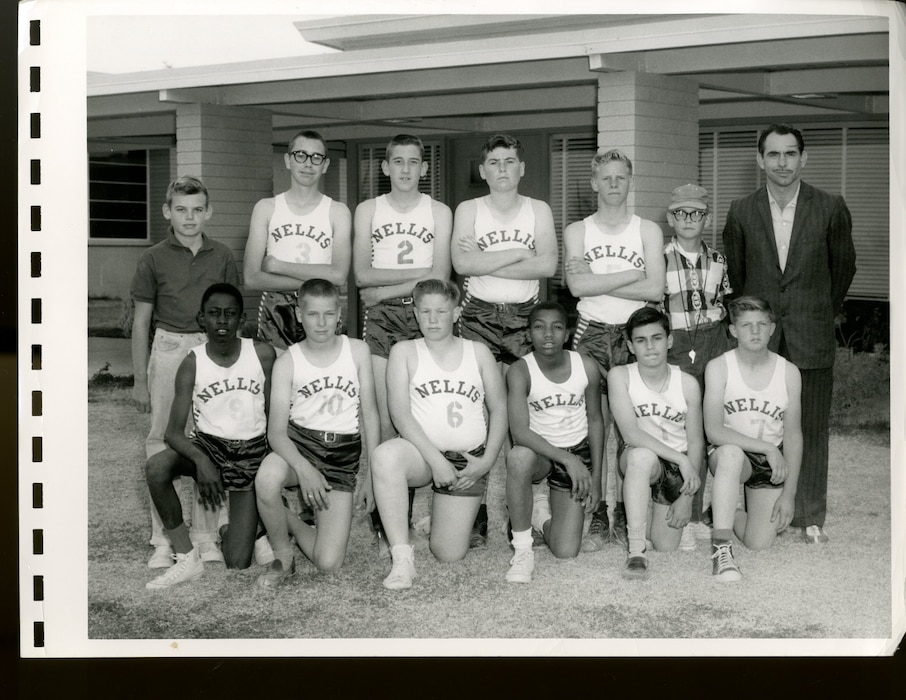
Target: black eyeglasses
[(301, 156), (695, 215)]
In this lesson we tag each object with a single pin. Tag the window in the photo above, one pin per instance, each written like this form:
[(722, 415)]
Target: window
[(373, 182), (118, 195), (571, 196)]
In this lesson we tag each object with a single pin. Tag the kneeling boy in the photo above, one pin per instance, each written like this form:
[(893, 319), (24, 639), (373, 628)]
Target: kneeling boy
[(321, 386), (752, 416), (225, 381), (657, 409), (438, 388), (554, 408)]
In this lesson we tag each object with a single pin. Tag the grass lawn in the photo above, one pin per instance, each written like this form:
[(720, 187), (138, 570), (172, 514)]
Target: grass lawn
[(841, 590)]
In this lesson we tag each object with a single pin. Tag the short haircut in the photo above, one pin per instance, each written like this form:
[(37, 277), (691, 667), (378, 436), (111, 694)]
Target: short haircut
[(614, 154), (645, 316), (502, 141), (318, 288), (404, 140), (434, 286), (187, 184), (307, 134), (546, 306), (222, 288), (742, 304), (781, 130)]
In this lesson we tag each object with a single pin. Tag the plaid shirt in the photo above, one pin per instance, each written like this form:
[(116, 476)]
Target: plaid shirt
[(694, 293)]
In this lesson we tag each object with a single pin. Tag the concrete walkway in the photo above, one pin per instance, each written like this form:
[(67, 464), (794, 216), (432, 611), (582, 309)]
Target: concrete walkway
[(116, 351)]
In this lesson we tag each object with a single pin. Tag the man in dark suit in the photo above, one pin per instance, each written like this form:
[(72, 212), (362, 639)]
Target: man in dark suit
[(791, 244)]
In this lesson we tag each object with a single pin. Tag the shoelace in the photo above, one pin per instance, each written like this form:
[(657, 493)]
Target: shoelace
[(596, 527), (724, 557)]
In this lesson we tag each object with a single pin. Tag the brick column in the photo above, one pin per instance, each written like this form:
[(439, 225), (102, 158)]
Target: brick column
[(653, 119)]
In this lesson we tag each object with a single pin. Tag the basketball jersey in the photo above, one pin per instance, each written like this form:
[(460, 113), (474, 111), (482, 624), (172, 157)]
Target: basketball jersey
[(661, 415), (449, 406), (402, 240), (228, 402), (300, 239), (756, 414), (557, 410), (492, 234), (607, 253), (325, 398)]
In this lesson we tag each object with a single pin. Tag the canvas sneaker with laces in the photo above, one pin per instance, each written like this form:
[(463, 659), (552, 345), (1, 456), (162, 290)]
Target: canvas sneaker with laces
[(276, 574), (402, 572), (687, 541), (598, 531), (188, 567), (724, 567), (636, 567), (162, 558), (521, 566), (210, 552), (263, 552)]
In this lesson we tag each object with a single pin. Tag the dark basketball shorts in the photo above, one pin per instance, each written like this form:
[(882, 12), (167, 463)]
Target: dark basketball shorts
[(277, 322), (459, 463), (602, 342), (335, 455), (388, 322), (710, 340), (502, 327), (760, 478), (558, 478), (237, 460), (666, 489)]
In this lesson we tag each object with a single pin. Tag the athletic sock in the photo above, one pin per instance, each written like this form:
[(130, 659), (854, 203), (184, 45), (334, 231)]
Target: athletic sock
[(404, 551), (285, 556), (636, 539), (522, 539), (721, 535)]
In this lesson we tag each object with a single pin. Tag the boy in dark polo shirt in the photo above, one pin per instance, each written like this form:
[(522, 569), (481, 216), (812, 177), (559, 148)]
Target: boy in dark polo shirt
[(169, 280)]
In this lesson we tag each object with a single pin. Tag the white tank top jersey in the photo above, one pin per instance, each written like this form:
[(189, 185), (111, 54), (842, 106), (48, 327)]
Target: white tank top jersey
[(228, 402), (607, 253), (491, 235), (325, 398), (449, 406), (300, 239), (661, 415), (557, 411), (402, 240), (757, 414)]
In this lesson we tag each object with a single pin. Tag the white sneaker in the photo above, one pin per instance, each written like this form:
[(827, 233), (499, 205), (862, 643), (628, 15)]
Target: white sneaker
[(402, 572), (263, 552), (687, 541), (541, 511), (521, 566), (188, 567), (210, 552), (700, 530), (162, 558)]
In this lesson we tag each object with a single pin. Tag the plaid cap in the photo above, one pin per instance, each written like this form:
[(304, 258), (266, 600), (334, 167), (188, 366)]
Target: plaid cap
[(690, 195)]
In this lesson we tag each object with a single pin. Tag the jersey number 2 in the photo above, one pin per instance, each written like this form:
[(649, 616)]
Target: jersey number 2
[(405, 255)]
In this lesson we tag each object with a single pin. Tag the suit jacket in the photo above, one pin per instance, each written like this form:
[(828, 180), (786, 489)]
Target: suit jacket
[(820, 265)]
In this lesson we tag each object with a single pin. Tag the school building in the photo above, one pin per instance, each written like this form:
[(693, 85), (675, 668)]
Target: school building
[(683, 95)]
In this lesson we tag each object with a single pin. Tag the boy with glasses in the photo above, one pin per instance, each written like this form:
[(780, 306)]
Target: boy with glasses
[(298, 235), (694, 302)]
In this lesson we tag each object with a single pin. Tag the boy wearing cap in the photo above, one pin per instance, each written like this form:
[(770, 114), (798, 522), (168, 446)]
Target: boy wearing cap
[(693, 301)]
